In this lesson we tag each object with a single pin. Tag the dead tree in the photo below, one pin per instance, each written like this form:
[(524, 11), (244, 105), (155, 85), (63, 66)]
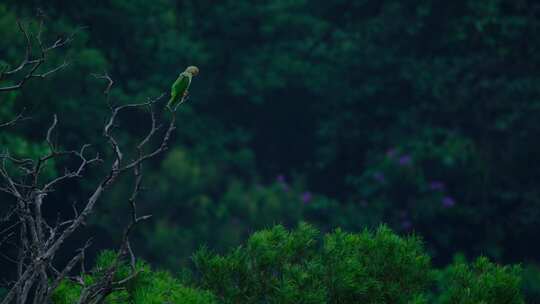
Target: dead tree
[(37, 240)]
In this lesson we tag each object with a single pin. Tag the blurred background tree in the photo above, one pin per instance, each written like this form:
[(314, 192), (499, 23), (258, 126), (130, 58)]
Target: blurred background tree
[(420, 114)]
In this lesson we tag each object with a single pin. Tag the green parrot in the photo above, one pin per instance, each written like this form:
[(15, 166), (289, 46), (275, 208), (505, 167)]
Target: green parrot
[(179, 89)]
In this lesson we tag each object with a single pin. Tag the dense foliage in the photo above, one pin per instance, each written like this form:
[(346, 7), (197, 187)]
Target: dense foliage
[(280, 266), (419, 114), (148, 287)]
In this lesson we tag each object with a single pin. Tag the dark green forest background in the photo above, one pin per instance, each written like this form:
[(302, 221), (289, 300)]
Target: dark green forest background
[(424, 115)]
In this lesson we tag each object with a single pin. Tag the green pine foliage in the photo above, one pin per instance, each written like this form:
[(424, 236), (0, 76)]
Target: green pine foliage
[(274, 266), (148, 286), (375, 267), (301, 266), (480, 282)]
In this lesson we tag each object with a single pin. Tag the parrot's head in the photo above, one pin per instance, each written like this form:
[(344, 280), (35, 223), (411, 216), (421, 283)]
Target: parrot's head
[(193, 70)]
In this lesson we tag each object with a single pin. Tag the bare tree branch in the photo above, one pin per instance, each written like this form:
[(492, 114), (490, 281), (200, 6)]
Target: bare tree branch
[(18, 118), (32, 63), (39, 242)]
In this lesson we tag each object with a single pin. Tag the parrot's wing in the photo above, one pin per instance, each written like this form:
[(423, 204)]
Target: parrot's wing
[(178, 90)]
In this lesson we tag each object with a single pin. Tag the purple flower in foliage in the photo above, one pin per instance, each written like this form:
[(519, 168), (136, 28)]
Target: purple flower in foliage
[(281, 180), (306, 197), (405, 160), (448, 202), (406, 224), (379, 177), (436, 185)]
